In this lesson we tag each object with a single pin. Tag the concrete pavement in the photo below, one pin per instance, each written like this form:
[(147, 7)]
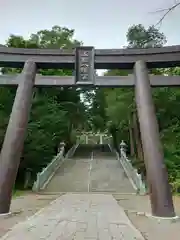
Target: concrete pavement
[(82, 215), (76, 217)]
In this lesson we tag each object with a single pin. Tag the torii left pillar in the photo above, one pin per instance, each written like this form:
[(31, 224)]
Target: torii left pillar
[(15, 135)]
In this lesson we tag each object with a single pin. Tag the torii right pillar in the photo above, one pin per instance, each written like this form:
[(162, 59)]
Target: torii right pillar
[(157, 176)]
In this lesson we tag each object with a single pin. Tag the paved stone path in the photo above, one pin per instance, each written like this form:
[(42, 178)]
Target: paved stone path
[(96, 172), (77, 217)]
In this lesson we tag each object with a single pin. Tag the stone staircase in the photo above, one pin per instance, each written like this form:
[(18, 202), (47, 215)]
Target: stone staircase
[(93, 168)]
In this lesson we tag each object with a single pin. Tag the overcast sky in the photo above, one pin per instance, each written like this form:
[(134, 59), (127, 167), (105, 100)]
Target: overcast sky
[(99, 23)]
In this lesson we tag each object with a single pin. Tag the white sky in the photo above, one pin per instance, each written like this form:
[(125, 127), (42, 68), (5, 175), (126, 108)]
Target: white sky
[(98, 23)]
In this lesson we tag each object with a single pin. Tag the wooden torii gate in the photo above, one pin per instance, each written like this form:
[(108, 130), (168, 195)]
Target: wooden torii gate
[(85, 60)]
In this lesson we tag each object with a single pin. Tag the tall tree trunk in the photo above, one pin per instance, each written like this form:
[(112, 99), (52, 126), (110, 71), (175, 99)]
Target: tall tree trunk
[(138, 146), (138, 143), (131, 138)]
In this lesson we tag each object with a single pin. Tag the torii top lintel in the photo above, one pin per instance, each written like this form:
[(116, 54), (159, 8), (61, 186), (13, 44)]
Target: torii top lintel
[(103, 58)]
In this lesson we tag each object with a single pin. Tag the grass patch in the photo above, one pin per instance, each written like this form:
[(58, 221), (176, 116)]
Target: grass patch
[(17, 193)]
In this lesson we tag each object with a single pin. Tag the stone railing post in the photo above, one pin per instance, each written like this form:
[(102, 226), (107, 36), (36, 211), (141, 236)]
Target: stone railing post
[(123, 148), (61, 145)]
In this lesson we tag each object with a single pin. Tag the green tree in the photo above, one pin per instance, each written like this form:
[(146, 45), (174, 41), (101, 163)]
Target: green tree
[(119, 102), (140, 37), (97, 110), (56, 114)]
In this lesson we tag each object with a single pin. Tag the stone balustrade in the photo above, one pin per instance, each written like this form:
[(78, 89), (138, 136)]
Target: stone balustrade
[(47, 173), (130, 171)]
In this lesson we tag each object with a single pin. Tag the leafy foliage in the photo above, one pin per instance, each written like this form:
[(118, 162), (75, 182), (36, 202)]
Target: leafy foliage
[(56, 113), (139, 37), (119, 104)]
